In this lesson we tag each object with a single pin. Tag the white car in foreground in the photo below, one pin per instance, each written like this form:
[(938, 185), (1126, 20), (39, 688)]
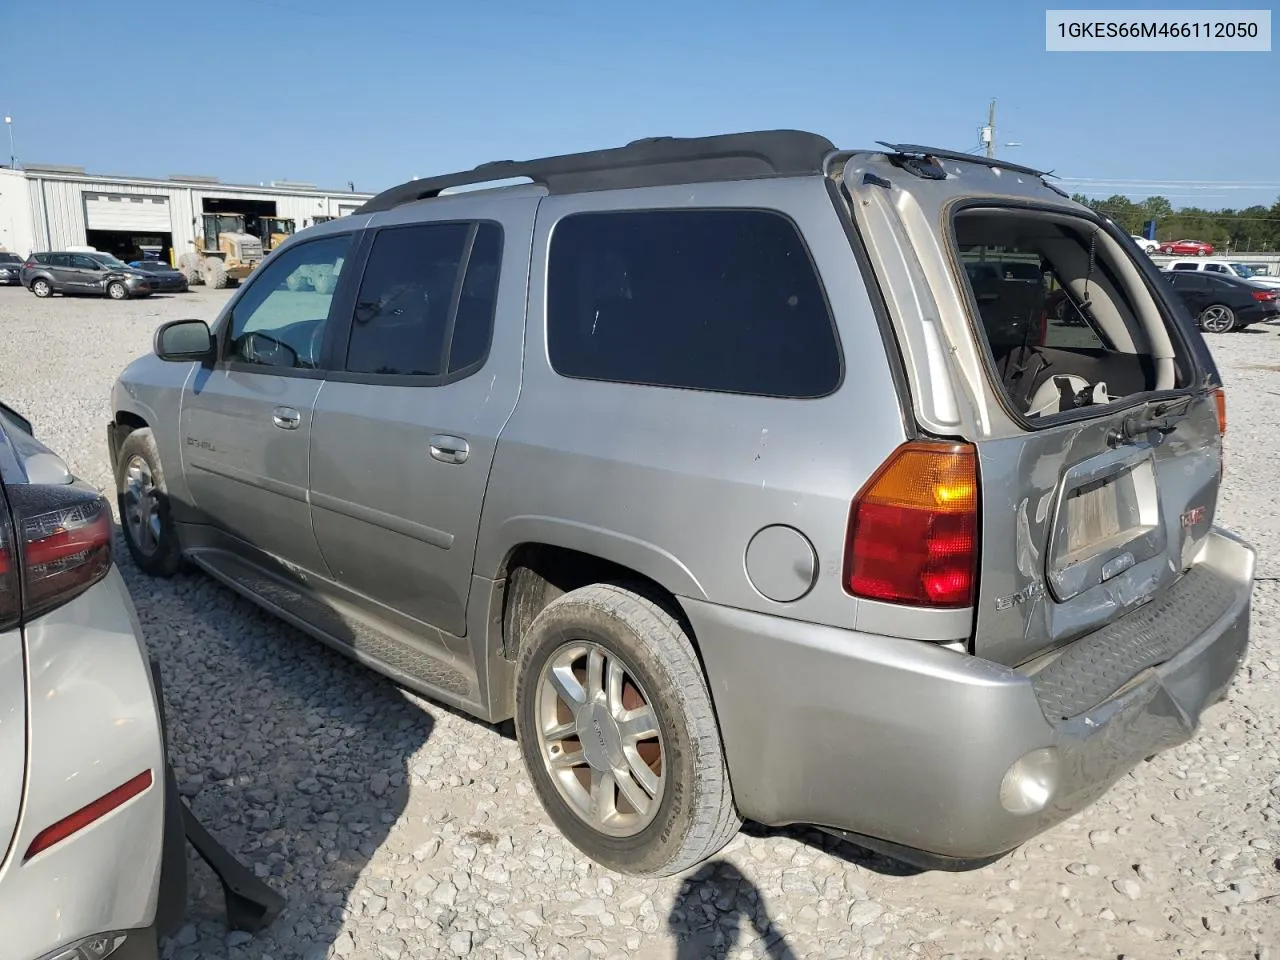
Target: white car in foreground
[(1145, 245), (92, 854)]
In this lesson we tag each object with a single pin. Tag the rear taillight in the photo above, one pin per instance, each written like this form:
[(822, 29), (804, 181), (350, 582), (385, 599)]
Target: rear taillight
[(1264, 296), (1220, 402), (55, 542), (913, 529)]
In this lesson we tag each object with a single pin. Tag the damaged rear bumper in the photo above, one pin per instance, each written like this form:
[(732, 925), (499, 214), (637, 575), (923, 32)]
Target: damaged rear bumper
[(936, 757)]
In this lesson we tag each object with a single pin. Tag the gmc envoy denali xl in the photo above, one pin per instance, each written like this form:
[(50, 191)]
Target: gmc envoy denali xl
[(753, 478)]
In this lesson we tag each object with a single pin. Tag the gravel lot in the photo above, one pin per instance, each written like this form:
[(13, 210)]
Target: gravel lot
[(397, 828)]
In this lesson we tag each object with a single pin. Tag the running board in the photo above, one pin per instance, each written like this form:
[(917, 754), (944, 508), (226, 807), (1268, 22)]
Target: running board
[(251, 904)]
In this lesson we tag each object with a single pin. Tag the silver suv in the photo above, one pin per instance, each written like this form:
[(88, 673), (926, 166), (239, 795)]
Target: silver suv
[(718, 466)]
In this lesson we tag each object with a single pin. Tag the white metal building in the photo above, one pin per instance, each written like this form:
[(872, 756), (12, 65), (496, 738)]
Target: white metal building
[(52, 208)]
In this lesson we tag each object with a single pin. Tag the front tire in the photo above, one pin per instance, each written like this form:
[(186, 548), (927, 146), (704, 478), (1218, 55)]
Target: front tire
[(143, 498), (618, 734), (215, 275), (117, 291)]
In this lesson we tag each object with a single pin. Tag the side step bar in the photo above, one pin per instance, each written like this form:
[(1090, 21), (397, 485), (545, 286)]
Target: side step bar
[(251, 904)]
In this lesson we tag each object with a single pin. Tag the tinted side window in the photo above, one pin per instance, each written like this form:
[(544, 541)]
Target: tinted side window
[(281, 318), (59, 259), (85, 263), (473, 328), (1215, 268), (724, 300), (406, 296), (1186, 266)]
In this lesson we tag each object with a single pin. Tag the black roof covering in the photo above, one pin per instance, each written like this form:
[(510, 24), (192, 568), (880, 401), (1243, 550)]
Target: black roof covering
[(655, 161)]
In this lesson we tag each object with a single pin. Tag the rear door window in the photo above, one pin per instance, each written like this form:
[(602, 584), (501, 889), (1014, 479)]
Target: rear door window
[(721, 300), (427, 299), (1063, 310)]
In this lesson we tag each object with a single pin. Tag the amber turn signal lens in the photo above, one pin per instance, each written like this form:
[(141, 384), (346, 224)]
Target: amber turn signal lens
[(913, 530)]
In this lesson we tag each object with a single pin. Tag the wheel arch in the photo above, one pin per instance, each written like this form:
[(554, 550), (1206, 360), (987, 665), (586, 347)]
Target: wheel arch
[(567, 566)]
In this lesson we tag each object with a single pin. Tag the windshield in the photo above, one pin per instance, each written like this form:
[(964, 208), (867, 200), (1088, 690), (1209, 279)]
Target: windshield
[(9, 258)]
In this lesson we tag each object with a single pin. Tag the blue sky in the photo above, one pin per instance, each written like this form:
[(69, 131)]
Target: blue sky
[(330, 91)]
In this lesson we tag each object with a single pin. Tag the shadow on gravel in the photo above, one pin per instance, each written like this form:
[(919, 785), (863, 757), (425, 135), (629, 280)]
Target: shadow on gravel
[(716, 910), (292, 755)]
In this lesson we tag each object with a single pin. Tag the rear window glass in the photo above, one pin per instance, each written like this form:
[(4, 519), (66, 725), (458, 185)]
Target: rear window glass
[(723, 300), (1064, 311)]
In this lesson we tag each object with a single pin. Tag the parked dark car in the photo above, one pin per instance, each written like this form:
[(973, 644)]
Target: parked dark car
[(92, 274), (10, 269), (1222, 303), (165, 279)]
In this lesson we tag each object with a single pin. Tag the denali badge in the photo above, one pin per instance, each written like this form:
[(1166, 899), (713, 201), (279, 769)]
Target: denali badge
[(1029, 592), (1192, 517)]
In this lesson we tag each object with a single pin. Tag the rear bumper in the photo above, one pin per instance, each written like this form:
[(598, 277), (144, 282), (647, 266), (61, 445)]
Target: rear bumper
[(904, 746)]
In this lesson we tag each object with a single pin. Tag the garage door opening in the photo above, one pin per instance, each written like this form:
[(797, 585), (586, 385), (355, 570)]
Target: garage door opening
[(252, 210), (128, 225), (131, 245)]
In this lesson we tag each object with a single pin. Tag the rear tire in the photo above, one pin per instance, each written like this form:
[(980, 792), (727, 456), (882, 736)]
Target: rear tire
[(692, 814), (42, 288), (143, 498), (1217, 318), (189, 266)]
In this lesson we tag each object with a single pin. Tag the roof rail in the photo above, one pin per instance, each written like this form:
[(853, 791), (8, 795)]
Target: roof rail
[(654, 161), (912, 149)]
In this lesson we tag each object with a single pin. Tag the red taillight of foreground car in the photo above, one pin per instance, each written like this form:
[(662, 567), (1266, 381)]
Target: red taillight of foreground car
[(913, 529), (55, 542), (88, 814), (1265, 296)]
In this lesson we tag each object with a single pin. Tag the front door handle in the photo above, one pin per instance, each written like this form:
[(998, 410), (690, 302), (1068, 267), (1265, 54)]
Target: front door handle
[(449, 449), (286, 418)]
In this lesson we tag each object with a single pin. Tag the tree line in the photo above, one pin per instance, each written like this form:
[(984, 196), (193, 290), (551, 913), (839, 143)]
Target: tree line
[(1254, 229)]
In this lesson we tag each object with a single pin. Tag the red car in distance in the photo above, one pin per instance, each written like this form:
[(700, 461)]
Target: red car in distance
[(1187, 248)]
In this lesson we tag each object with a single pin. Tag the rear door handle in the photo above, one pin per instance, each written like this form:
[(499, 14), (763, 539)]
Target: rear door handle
[(449, 449), (286, 418)]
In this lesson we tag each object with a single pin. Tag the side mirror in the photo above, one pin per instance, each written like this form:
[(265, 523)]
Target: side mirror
[(184, 340)]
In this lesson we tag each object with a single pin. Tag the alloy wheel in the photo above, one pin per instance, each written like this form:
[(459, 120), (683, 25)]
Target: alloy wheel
[(599, 738)]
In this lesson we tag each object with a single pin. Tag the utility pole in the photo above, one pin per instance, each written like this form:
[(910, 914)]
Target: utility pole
[(989, 132), (13, 157)]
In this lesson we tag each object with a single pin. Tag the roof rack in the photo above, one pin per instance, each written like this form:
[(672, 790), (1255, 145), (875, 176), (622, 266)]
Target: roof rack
[(912, 149), (655, 161)]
